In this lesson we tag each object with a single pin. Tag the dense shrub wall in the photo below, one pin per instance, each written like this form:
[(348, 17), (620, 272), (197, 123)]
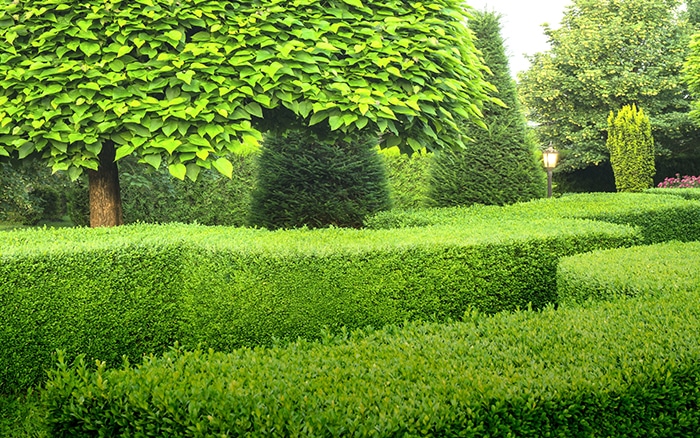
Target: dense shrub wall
[(687, 193), (105, 296), (630, 272), (659, 218), (138, 289), (627, 368)]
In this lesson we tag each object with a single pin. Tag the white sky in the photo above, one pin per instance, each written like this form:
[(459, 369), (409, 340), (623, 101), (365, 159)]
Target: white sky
[(521, 25)]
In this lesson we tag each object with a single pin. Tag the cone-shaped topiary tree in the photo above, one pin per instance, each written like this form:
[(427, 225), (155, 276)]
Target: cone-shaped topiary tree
[(307, 178), (631, 147), (499, 166)]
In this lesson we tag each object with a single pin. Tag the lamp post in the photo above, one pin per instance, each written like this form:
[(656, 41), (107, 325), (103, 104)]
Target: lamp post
[(550, 157)]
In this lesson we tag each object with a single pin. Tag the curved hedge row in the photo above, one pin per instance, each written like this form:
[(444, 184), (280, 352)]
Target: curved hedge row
[(138, 289), (660, 218), (627, 368), (629, 272), (687, 193)]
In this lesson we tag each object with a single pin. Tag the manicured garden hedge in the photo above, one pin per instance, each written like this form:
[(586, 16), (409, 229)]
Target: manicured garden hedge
[(629, 272), (138, 289), (660, 218), (625, 368), (687, 193)]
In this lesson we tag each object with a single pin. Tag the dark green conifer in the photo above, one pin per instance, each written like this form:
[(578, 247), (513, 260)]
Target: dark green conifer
[(306, 178), (499, 166)]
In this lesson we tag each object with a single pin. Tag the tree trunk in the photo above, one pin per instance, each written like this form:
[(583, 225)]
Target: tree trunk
[(105, 199)]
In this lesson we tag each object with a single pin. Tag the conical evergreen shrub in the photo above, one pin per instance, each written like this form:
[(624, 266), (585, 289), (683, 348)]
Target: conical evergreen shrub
[(631, 147), (310, 179), (499, 166)]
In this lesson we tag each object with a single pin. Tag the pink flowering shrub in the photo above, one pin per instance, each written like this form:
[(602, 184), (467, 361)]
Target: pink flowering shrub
[(680, 182)]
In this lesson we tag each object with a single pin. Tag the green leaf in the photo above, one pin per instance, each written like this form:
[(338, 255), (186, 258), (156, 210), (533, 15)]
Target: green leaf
[(178, 170), (254, 109), (123, 151), (356, 3), (74, 172), (193, 171), (198, 141), (224, 167), (392, 140), (123, 50), (169, 127), (3, 152), (415, 145), (26, 149), (89, 48), (174, 37), (153, 160), (317, 118), (335, 122), (185, 77)]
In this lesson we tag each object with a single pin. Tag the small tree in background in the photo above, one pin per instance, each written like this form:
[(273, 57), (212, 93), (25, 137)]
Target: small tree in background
[(499, 166), (313, 179), (631, 147)]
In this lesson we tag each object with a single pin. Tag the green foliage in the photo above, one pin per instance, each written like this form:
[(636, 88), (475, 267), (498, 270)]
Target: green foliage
[(78, 203), (29, 194), (314, 180), (185, 83), (631, 149), (605, 55), (151, 196), (623, 369), (692, 194), (692, 72), (499, 165), (408, 177), (22, 416), (658, 218), (139, 289), (652, 270)]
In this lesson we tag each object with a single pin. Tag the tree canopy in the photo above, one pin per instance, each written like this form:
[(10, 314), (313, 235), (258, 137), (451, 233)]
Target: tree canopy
[(177, 81), (607, 54), (183, 82)]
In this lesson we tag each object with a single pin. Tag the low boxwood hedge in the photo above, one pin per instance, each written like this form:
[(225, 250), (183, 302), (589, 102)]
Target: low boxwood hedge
[(629, 272), (687, 193), (660, 218), (137, 289), (628, 368)]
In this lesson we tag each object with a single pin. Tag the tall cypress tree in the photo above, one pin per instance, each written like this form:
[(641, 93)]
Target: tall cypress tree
[(499, 166)]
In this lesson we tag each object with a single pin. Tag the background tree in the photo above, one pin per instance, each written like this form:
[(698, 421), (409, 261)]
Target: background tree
[(609, 53), (631, 149), (499, 165), (185, 83)]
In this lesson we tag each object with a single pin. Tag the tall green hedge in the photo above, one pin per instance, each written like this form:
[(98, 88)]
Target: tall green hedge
[(140, 289), (408, 177)]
